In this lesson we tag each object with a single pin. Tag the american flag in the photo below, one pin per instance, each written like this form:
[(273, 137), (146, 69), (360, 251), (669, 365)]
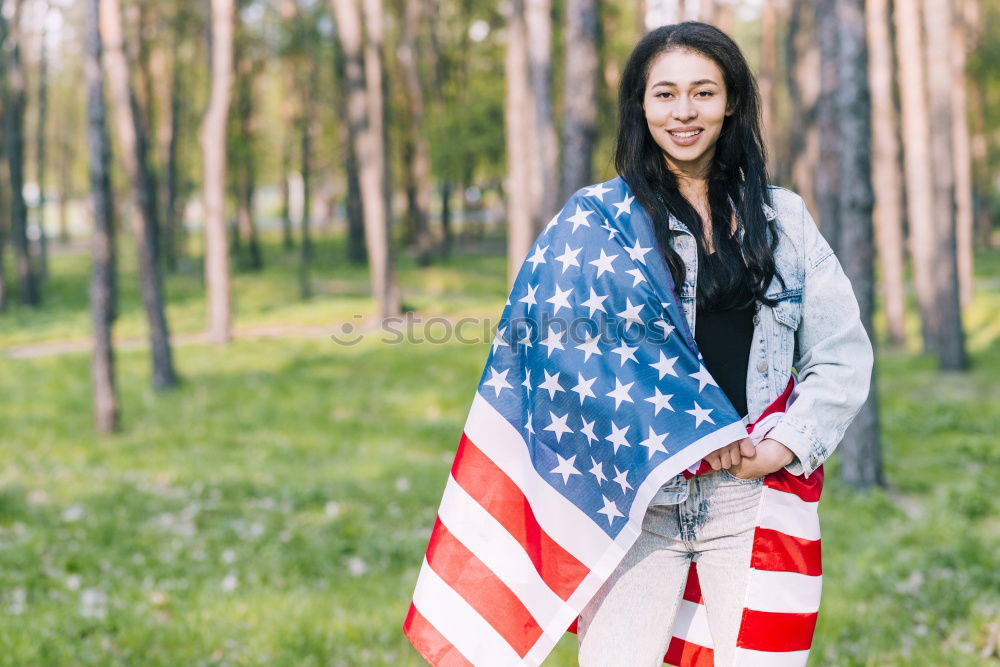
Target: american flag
[(592, 397)]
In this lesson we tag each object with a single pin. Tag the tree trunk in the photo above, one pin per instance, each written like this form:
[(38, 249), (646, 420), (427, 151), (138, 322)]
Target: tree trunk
[(356, 250), (861, 452), (14, 102), (545, 156), (40, 136), (446, 227), (518, 114), (364, 115), (132, 137), (214, 154), (580, 96), (102, 275), (961, 152), (888, 217), (245, 171), (305, 138), (419, 166), (767, 78), (944, 271), (828, 172), (803, 57)]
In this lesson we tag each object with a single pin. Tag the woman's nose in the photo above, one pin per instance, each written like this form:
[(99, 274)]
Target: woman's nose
[(683, 109)]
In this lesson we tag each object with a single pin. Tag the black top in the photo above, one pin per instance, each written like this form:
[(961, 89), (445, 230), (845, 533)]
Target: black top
[(724, 337)]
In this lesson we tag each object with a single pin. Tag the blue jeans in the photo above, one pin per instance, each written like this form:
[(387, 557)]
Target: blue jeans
[(630, 619)]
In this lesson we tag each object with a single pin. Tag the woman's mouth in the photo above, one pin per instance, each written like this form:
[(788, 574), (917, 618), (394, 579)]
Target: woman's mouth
[(685, 138)]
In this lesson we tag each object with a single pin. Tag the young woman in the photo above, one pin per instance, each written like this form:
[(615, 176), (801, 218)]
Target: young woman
[(762, 291)]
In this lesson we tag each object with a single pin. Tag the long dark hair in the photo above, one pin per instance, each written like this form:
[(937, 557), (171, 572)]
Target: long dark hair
[(738, 170)]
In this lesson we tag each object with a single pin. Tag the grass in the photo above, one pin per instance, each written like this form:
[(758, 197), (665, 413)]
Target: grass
[(275, 508)]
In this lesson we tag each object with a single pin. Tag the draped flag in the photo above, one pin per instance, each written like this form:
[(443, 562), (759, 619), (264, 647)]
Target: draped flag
[(593, 396)]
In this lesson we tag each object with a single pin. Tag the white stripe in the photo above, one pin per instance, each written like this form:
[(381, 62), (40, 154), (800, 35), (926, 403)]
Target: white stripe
[(748, 658), (563, 521), (460, 624), (485, 537), (691, 624), (784, 592), (787, 513)]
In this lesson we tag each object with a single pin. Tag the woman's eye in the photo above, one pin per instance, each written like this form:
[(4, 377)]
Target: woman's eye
[(705, 92)]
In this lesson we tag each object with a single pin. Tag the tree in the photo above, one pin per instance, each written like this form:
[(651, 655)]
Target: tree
[(242, 146), (132, 137), (545, 155), (580, 98), (102, 275), (803, 56), (40, 136), (944, 271), (518, 117), (14, 101), (861, 453), (961, 35), (213, 139), (888, 216), (366, 129)]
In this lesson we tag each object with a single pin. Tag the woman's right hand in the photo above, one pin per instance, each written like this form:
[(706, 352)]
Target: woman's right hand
[(731, 454)]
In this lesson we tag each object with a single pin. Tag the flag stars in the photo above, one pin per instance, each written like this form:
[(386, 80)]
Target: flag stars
[(700, 414), (665, 366), (526, 383), (529, 298), (498, 381), (637, 276), (498, 339), (596, 301), (654, 442), (579, 219), (568, 258), (703, 377), (598, 470), (597, 190), (621, 479), (526, 341), (583, 387), (630, 314), (603, 264), (617, 437), (637, 252), (553, 341), (566, 468), (551, 384), (609, 510), (621, 393), (558, 425), (624, 206), (589, 347), (588, 430), (626, 352), (660, 401), (538, 257), (559, 300), (609, 229)]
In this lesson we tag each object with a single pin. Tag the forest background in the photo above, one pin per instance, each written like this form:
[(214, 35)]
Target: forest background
[(236, 237)]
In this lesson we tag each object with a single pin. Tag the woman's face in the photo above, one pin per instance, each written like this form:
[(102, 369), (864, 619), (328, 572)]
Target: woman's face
[(685, 105)]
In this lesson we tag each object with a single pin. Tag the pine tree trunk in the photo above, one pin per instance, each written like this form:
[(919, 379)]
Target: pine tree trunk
[(14, 102), (580, 98), (518, 114), (938, 18), (888, 217), (861, 453), (365, 115), (214, 165), (829, 171), (766, 80), (545, 156), (356, 250), (133, 141), (803, 72), (961, 152), (419, 167), (102, 275), (40, 136)]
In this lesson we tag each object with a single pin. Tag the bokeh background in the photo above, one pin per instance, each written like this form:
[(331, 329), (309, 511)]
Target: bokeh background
[(239, 237)]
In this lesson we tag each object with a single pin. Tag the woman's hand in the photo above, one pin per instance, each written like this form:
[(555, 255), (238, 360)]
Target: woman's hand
[(731, 454), (771, 456)]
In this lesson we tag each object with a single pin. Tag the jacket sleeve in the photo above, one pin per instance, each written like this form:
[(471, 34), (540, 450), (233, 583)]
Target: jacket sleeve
[(835, 359)]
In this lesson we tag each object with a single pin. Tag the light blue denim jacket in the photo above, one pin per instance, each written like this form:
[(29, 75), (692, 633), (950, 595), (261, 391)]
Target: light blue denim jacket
[(815, 327)]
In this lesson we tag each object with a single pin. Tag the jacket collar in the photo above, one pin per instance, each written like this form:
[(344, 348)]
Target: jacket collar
[(677, 225)]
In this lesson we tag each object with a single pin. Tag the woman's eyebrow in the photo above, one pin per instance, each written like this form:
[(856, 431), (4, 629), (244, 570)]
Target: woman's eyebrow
[(693, 83)]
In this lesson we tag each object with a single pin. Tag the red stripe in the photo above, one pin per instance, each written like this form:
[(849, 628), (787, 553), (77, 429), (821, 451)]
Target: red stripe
[(773, 631), (807, 489), (688, 654), (484, 591), (501, 497), (692, 587), (777, 552), (430, 643)]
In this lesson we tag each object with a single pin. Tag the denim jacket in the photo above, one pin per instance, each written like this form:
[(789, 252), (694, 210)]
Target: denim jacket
[(815, 326)]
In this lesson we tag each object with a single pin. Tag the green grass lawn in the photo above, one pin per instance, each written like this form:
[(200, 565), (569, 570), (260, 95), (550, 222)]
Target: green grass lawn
[(275, 508)]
